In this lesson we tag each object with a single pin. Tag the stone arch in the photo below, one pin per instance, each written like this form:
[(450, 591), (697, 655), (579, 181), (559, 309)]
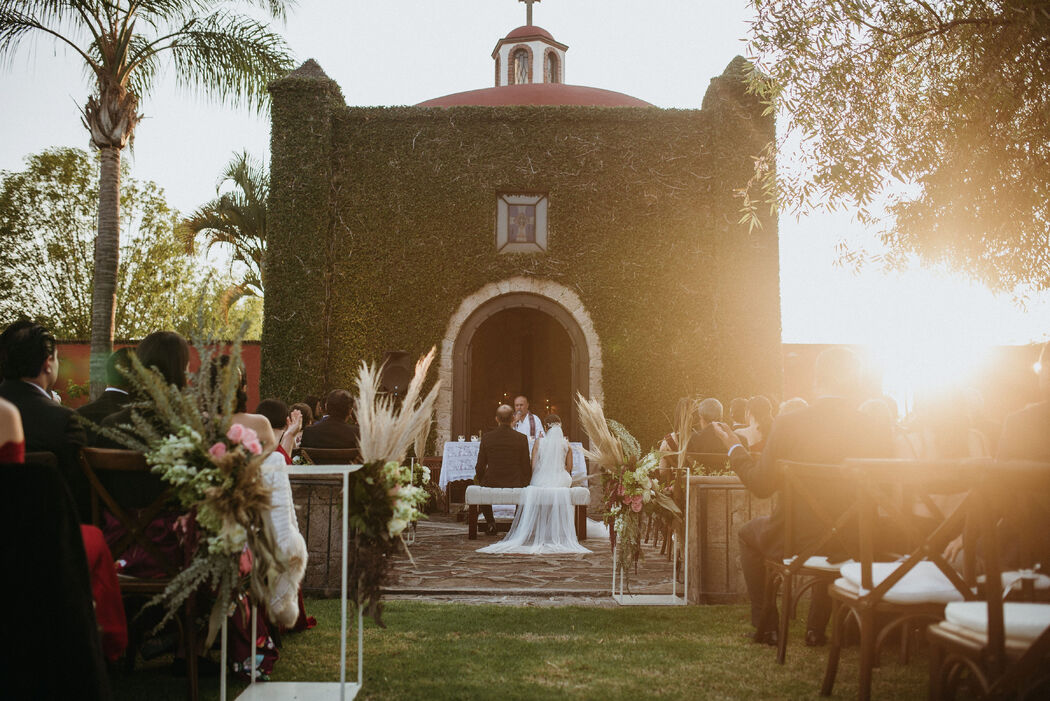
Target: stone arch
[(545, 295)]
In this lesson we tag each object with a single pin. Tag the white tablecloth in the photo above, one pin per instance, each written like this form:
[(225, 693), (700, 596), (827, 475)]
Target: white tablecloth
[(460, 457)]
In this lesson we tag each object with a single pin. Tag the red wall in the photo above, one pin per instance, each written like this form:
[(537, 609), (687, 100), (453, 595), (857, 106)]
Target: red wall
[(73, 362)]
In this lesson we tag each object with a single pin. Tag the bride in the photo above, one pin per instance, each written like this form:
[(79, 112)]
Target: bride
[(544, 524)]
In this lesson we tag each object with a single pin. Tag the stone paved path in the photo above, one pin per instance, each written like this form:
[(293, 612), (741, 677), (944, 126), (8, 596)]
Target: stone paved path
[(445, 567)]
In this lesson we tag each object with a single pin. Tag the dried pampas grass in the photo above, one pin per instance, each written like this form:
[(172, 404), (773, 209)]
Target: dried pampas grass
[(386, 431), (606, 450)]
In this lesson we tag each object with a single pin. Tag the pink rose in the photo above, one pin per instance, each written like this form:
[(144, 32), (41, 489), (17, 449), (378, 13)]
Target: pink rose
[(249, 435), (235, 433), (253, 446), (217, 450)]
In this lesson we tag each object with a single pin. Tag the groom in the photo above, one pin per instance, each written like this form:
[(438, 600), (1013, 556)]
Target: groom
[(503, 460)]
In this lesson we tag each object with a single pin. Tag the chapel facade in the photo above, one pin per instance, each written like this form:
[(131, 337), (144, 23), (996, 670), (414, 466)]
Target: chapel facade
[(548, 238)]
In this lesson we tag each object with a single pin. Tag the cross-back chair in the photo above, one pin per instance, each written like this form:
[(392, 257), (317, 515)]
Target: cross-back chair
[(1000, 649), (332, 456), (899, 589), (104, 469), (820, 531)]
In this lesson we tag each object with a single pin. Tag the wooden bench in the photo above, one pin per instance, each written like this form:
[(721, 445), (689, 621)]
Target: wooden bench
[(476, 496)]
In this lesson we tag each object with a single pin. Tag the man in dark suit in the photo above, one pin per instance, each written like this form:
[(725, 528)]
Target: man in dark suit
[(828, 431), (334, 430), (29, 361), (116, 395), (503, 460)]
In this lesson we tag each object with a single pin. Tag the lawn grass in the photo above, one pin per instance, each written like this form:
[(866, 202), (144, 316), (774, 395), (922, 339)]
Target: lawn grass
[(459, 651)]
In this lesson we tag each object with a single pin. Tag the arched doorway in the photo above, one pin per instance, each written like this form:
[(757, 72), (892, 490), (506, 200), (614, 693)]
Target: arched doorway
[(518, 343)]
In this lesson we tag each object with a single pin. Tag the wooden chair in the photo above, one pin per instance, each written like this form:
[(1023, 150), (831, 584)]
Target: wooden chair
[(820, 532), (998, 649), (104, 469), (332, 456), (898, 590), (41, 457)]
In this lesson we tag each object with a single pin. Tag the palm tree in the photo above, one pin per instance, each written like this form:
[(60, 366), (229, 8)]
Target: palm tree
[(123, 44), (236, 218)]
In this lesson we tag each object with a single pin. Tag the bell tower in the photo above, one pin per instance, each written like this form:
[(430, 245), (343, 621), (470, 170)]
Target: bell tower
[(529, 54)]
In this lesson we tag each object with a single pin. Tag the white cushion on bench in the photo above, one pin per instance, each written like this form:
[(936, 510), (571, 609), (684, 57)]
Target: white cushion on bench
[(924, 584), (579, 496)]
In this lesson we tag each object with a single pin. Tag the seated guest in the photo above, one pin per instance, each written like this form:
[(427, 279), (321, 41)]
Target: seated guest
[(705, 439), (884, 414), (287, 425), (789, 405), (670, 444), (316, 407), (738, 412), (759, 422), (827, 432), (12, 439), (29, 362), (116, 394), (306, 412), (335, 430)]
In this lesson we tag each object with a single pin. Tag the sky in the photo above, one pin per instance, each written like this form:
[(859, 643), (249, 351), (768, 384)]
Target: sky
[(401, 52)]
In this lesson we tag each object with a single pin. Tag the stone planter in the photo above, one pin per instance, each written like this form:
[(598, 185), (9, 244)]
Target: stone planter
[(718, 507)]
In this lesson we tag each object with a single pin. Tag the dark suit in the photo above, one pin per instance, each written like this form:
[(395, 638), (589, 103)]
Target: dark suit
[(331, 433), (827, 432), (51, 427), (1025, 436), (503, 461), (109, 403)]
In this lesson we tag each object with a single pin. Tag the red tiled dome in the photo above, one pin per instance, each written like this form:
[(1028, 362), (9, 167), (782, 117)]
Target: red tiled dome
[(529, 30), (537, 94)]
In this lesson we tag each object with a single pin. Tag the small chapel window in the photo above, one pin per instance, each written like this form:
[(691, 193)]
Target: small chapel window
[(521, 222), (550, 68), (521, 66)]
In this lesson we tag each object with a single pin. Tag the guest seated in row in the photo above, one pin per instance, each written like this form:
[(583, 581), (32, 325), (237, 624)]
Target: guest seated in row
[(683, 412), (827, 432), (116, 396), (336, 429), (308, 417), (286, 425), (12, 439), (706, 439), (738, 413), (29, 363), (316, 406), (759, 416), (939, 429)]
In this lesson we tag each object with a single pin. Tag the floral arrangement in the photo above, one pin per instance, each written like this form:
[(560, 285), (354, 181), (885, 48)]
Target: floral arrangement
[(630, 483), (384, 498), (214, 469)]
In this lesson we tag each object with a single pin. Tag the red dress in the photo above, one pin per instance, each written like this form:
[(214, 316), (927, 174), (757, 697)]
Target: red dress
[(13, 452)]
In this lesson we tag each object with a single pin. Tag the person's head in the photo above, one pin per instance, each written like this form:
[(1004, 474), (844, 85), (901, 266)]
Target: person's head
[(275, 411), (118, 360), (738, 410), (168, 353), (789, 405), (710, 410), (685, 407), (836, 372), (504, 415), (316, 407), (240, 404), (760, 413), (551, 420), (521, 404), (28, 352), (306, 411), (339, 404)]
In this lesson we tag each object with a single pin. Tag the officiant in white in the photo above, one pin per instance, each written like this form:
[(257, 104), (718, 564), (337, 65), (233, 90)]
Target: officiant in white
[(525, 422)]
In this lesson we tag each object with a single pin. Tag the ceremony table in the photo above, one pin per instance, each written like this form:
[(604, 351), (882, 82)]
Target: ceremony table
[(459, 458)]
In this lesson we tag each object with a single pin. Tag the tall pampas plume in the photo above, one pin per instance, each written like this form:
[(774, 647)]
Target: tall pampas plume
[(606, 450), (387, 432)]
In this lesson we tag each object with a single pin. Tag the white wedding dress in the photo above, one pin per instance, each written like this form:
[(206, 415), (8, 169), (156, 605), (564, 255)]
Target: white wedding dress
[(544, 523)]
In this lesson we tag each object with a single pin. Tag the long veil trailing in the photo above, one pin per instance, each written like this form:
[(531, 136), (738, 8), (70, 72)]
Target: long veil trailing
[(544, 523)]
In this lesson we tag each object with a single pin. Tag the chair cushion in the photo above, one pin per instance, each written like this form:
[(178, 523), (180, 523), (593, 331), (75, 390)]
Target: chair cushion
[(1023, 622), (1013, 579), (819, 562), (923, 584)]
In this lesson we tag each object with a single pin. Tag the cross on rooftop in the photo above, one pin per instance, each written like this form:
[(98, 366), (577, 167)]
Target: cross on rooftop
[(528, 11)]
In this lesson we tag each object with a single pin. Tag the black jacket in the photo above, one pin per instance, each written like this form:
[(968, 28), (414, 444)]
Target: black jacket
[(109, 403), (503, 459), (331, 433), (51, 427)]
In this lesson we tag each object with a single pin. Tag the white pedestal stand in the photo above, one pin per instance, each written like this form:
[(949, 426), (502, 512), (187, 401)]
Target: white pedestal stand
[(669, 599), (314, 691)]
